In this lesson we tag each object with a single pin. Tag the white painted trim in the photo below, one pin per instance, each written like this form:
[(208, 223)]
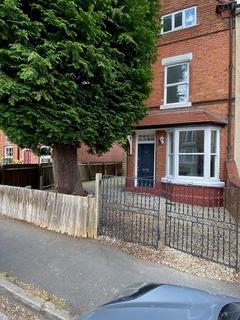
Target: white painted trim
[(175, 105), (177, 59), (144, 131), (217, 183)]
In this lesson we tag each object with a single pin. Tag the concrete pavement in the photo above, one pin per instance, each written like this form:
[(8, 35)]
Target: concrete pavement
[(83, 272)]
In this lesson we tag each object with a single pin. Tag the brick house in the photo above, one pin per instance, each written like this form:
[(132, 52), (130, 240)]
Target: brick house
[(11, 152), (184, 137)]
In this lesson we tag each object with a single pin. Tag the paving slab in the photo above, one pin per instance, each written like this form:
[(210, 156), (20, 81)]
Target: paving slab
[(85, 273)]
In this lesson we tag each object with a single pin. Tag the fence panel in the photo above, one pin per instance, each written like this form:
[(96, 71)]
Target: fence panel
[(210, 230), (21, 175), (129, 216), (72, 215), (46, 177)]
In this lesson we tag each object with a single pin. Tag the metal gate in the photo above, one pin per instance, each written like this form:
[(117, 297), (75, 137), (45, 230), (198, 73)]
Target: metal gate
[(208, 229), (130, 211)]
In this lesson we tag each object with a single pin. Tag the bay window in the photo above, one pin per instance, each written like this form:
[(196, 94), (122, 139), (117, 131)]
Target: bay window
[(193, 154)]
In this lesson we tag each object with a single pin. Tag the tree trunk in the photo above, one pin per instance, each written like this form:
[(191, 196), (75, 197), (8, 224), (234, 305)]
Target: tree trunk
[(65, 170)]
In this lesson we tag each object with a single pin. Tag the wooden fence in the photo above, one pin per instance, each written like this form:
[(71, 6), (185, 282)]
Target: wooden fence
[(41, 176), (73, 215), (22, 175)]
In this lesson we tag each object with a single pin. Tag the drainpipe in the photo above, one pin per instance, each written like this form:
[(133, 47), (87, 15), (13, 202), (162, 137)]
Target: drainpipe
[(237, 93), (230, 86), (233, 7)]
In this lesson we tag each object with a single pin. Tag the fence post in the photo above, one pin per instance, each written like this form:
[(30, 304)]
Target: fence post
[(98, 200)]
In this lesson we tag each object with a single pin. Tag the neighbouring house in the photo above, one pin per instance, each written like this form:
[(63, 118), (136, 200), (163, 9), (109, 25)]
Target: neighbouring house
[(11, 153), (185, 138)]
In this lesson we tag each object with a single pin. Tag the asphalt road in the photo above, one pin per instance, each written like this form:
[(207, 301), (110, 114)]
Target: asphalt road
[(83, 272)]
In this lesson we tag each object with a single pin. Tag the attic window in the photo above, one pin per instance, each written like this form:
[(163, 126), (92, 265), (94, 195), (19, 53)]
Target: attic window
[(179, 20)]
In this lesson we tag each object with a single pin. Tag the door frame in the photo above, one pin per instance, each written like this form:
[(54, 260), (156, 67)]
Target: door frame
[(144, 132)]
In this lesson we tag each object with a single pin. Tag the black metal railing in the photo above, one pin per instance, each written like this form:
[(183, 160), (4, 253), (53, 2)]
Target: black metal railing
[(204, 222), (201, 221), (130, 211)]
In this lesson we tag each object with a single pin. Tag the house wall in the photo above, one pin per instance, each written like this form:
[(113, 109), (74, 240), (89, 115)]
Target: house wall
[(18, 154), (115, 154), (208, 42)]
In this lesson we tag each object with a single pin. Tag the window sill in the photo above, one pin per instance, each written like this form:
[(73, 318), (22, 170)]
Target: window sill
[(195, 182), (175, 106)]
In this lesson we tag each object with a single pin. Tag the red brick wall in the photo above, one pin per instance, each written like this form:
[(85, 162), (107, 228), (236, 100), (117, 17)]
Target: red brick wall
[(131, 158), (208, 42), (18, 154), (208, 71), (115, 154), (207, 20), (160, 154)]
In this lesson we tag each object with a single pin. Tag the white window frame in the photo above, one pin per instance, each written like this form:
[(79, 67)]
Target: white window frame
[(137, 142), (166, 86), (206, 180), (6, 156), (171, 62), (172, 15)]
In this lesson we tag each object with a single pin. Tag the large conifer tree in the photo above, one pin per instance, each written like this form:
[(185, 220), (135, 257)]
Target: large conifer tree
[(74, 70)]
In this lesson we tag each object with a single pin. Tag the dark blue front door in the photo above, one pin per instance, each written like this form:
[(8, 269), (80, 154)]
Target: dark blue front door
[(145, 172)]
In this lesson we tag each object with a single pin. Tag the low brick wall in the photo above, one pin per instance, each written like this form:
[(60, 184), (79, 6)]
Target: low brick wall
[(195, 195)]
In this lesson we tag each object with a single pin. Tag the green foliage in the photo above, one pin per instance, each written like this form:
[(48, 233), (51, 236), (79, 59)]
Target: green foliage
[(74, 70)]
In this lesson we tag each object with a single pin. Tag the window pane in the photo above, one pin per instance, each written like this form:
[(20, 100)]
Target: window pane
[(191, 165), (213, 166), (178, 20), (191, 141), (167, 23), (177, 74), (171, 164), (177, 94), (190, 17), (213, 141)]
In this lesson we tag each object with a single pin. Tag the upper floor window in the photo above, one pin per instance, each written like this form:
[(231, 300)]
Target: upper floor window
[(176, 81), (179, 20), (8, 152), (177, 84)]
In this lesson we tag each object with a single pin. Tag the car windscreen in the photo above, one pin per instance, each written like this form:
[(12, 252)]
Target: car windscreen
[(230, 312)]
